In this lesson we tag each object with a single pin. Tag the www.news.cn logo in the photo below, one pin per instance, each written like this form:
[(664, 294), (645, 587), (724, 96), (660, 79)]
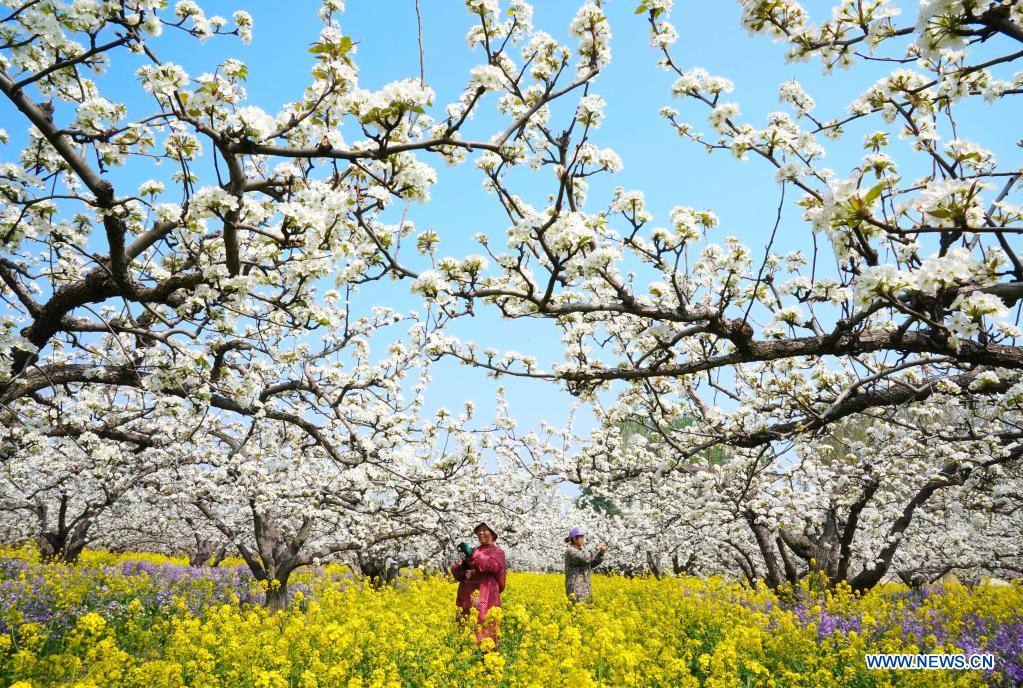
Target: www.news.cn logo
[(979, 662)]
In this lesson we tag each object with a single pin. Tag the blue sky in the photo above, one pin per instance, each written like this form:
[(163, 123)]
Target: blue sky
[(669, 170)]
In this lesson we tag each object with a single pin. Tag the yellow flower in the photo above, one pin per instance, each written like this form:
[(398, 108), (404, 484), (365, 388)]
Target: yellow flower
[(684, 632), (91, 623)]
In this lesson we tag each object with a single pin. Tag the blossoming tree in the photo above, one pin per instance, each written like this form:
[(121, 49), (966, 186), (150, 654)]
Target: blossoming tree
[(222, 288), (922, 275), (73, 465), (259, 211), (227, 288), (905, 291), (839, 505)]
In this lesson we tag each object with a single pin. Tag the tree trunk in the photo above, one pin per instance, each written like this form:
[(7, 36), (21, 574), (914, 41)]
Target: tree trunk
[(377, 570), (652, 563), (790, 568), (775, 577), (207, 553), (62, 545), (277, 594), (51, 544), (682, 568), (73, 548)]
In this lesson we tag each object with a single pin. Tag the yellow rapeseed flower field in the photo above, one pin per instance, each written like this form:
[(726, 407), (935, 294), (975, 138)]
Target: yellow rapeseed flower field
[(150, 622)]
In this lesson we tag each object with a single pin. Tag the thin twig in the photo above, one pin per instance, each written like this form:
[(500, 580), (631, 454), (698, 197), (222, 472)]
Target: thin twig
[(422, 54)]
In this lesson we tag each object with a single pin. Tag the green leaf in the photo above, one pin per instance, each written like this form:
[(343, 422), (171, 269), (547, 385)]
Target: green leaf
[(874, 192), (641, 9)]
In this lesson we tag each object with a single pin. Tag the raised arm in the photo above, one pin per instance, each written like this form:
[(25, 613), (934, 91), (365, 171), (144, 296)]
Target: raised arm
[(581, 557), (490, 560), (457, 573)]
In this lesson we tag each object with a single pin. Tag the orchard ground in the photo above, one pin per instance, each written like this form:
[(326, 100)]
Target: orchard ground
[(150, 620)]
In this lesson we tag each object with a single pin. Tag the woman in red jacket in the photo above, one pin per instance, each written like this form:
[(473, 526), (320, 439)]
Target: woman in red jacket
[(481, 577)]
